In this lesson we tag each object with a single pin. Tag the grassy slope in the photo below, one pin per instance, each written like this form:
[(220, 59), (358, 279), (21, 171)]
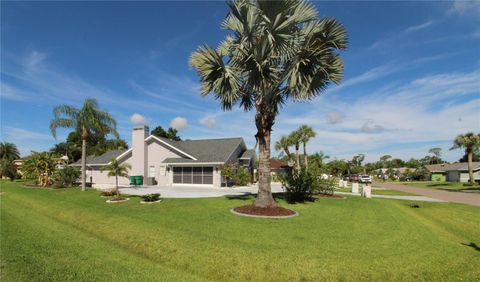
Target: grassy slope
[(61, 235), (441, 185)]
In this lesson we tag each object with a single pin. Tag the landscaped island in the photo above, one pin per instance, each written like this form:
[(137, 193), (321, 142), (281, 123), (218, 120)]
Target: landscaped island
[(66, 234)]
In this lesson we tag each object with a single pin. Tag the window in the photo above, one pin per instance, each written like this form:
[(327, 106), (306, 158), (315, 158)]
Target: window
[(193, 175)]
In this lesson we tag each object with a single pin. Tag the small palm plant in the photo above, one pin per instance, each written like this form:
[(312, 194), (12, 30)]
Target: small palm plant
[(469, 141), (283, 144), (116, 169)]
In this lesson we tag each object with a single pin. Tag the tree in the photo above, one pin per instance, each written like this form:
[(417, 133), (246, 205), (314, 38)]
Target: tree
[(40, 167), (8, 151), (7, 169), (306, 133), (295, 138), (276, 51), (86, 121), (318, 158), (384, 159), (116, 169), (283, 144), (469, 141), (475, 156), (171, 133), (71, 150), (337, 167)]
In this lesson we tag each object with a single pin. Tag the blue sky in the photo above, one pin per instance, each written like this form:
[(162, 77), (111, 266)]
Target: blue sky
[(412, 73)]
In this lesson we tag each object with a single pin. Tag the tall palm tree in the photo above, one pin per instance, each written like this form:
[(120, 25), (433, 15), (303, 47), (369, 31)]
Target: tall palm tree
[(306, 133), (283, 144), (469, 141), (8, 151), (86, 121), (296, 139), (277, 50), (116, 169)]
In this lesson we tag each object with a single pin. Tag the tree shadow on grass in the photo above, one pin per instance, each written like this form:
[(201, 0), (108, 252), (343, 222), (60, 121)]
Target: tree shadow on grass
[(245, 196), (473, 246)]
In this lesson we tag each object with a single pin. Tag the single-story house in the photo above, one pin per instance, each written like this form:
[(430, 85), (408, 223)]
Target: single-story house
[(456, 172), (164, 162)]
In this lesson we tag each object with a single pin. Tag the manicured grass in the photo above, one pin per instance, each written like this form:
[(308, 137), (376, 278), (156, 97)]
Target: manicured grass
[(66, 235), (380, 192), (441, 185)]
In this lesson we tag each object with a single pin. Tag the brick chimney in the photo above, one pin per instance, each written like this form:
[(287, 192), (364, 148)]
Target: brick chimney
[(139, 150)]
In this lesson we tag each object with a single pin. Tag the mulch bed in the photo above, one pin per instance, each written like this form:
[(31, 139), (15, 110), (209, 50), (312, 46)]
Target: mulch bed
[(329, 196), (118, 199), (252, 210)]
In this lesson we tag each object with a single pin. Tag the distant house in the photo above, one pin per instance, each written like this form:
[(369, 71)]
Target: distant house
[(164, 162), (277, 167), (60, 163), (456, 172)]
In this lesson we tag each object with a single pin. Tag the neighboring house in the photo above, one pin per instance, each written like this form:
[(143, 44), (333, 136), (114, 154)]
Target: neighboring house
[(164, 162), (399, 173), (277, 167), (456, 172)]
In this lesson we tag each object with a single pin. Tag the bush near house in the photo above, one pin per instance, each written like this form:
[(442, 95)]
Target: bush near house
[(66, 177), (242, 177), (151, 197)]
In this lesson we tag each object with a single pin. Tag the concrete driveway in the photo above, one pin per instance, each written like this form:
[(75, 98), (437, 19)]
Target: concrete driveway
[(194, 191)]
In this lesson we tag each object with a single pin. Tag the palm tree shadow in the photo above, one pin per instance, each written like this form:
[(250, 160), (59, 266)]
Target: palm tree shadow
[(473, 246), (244, 196)]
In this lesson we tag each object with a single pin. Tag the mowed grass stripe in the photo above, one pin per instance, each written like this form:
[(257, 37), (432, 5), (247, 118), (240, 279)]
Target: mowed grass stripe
[(192, 239)]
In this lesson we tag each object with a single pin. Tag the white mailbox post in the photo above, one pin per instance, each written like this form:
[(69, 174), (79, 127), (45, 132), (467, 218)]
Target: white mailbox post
[(354, 187), (367, 190)]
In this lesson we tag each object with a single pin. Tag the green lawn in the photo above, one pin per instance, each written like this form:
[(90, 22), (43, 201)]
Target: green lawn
[(380, 192), (66, 235), (441, 185)]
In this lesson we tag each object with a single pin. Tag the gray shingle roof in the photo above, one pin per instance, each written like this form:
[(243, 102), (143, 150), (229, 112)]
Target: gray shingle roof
[(249, 154), (207, 150), (102, 159), (450, 167)]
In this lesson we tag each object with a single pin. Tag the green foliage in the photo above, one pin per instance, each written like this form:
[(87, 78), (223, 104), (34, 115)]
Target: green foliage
[(8, 151), (116, 169), (171, 133), (242, 176), (337, 167), (151, 197), (299, 185), (40, 167), (8, 169), (67, 176), (228, 170)]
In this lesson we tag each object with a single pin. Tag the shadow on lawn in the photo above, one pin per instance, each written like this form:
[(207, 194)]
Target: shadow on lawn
[(473, 246)]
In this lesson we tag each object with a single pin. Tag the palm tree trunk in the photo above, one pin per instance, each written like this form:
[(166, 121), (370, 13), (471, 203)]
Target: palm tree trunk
[(116, 186), (287, 152), (264, 197), (470, 169), (305, 157), (84, 163), (297, 149)]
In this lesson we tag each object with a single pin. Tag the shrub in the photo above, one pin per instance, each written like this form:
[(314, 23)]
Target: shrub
[(299, 186), (7, 169), (151, 197), (325, 186), (66, 177), (242, 177), (109, 193)]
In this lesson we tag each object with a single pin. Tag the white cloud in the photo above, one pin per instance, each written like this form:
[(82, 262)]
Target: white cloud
[(465, 7), (334, 118), (419, 27), (34, 59), (179, 123), (11, 93), (209, 122), (370, 127), (138, 119)]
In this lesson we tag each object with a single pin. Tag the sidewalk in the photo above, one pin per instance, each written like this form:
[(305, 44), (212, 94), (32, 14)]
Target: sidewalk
[(444, 195), (411, 198)]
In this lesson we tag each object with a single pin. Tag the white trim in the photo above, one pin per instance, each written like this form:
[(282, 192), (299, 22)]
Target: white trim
[(124, 153), (175, 148)]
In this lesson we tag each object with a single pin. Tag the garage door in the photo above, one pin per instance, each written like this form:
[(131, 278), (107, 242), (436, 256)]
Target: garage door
[(193, 175)]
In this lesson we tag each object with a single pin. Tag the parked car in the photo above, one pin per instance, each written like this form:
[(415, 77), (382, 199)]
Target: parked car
[(345, 177), (365, 179), (354, 177)]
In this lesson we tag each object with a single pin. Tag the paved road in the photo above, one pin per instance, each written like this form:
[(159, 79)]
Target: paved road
[(445, 195)]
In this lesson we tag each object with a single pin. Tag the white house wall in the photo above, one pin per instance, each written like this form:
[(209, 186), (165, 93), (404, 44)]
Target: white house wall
[(157, 153)]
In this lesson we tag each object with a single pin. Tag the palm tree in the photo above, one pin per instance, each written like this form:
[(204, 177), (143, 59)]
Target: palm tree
[(86, 121), (296, 138), (277, 50), (469, 141), (116, 169), (283, 144), (306, 133), (8, 151)]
